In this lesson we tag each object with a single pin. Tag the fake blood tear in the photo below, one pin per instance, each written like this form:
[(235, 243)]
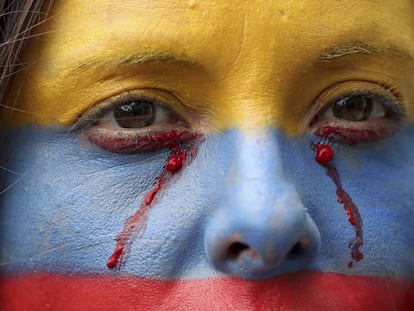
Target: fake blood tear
[(354, 218), (175, 162), (135, 224), (324, 155)]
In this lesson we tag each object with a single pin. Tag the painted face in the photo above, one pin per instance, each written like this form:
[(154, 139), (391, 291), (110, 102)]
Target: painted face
[(212, 155)]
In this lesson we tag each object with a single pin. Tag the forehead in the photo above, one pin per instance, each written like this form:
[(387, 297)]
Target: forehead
[(231, 26), (248, 47)]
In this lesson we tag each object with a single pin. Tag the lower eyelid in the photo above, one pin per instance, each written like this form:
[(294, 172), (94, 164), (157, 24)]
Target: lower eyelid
[(130, 142), (352, 133)]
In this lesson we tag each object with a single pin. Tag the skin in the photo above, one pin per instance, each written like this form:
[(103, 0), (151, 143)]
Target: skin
[(253, 80)]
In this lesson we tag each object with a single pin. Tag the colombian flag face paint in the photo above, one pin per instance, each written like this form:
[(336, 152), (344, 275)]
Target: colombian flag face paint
[(211, 155)]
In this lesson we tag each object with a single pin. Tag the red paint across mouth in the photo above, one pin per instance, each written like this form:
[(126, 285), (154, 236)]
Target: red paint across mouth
[(301, 291)]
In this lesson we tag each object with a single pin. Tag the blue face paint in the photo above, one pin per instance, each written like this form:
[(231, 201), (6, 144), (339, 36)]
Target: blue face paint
[(255, 206)]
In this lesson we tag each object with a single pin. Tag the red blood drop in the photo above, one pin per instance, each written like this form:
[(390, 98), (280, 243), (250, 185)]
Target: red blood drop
[(175, 162), (324, 154), (113, 260)]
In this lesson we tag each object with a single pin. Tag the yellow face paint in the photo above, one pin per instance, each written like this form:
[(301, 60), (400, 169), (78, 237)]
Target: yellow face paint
[(238, 63)]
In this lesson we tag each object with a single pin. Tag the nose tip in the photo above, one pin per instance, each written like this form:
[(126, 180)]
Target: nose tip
[(255, 251)]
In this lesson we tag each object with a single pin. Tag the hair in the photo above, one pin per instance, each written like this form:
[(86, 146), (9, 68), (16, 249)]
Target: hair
[(18, 19)]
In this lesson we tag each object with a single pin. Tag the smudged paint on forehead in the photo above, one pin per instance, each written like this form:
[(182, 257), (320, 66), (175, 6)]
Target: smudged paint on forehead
[(244, 66)]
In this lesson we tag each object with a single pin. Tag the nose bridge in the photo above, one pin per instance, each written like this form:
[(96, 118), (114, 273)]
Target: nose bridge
[(258, 158), (252, 95), (263, 204), (257, 183)]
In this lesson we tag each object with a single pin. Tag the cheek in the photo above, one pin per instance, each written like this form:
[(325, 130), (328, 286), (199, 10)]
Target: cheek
[(378, 178), (68, 205), (67, 201), (81, 200)]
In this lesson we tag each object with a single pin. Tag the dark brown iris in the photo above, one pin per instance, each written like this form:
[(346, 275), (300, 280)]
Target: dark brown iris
[(135, 114), (353, 108)]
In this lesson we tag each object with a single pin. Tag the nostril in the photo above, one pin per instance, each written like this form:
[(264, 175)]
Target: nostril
[(236, 249), (298, 249), (295, 251)]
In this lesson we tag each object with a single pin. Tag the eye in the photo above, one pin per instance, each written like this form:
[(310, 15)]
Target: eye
[(357, 115), (138, 113), (134, 123), (356, 108), (135, 114)]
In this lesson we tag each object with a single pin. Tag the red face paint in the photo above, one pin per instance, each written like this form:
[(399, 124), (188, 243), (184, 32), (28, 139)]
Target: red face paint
[(293, 291), (135, 224), (324, 155)]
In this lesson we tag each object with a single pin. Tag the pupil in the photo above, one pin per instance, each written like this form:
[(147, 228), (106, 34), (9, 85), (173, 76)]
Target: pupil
[(355, 108), (135, 114)]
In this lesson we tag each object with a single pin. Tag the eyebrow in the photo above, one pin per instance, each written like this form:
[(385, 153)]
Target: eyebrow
[(359, 47), (96, 64), (330, 54)]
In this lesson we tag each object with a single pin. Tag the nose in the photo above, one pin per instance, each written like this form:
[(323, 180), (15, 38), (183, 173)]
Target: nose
[(260, 228)]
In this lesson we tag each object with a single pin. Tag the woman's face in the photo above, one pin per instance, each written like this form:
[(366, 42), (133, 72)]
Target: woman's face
[(212, 155)]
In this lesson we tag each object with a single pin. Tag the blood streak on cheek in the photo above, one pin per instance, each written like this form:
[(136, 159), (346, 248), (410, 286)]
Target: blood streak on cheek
[(324, 156), (135, 225)]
